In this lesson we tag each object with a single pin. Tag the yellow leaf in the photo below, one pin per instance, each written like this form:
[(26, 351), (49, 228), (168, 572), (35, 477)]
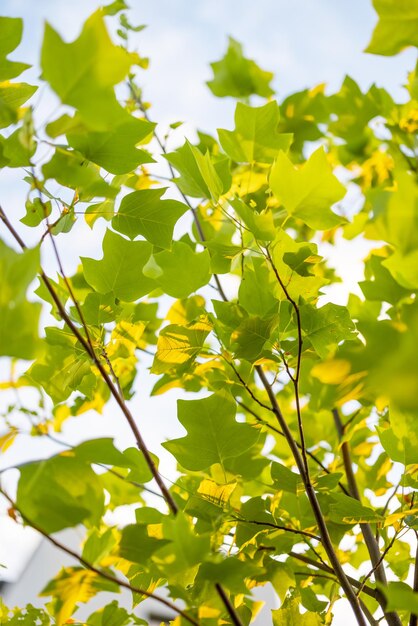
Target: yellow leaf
[(7, 439), (397, 517), (220, 494), (333, 372), (208, 612), (71, 586)]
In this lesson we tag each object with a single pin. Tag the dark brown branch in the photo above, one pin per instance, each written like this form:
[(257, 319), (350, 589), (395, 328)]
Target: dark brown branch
[(279, 432), (300, 458), (323, 530), (96, 570), (413, 621), (138, 100), (369, 538), (295, 378), (228, 605), (113, 389)]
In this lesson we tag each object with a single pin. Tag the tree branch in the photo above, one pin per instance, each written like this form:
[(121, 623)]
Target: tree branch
[(300, 459), (278, 527), (91, 353), (369, 538), (413, 621), (228, 605), (373, 593), (323, 530), (96, 570), (312, 456)]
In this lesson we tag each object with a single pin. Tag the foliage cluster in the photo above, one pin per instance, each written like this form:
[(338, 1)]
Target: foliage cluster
[(300, 452)]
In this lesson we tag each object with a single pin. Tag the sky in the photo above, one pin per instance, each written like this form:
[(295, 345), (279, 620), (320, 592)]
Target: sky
[(304, 42)]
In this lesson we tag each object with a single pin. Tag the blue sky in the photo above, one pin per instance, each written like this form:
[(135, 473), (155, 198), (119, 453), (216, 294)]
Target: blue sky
[(304, 42)]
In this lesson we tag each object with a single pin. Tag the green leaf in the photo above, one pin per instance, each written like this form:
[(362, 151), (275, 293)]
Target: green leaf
[(326, 327), (400, 597), (249, 339), (397, 27), (36, 212), (59, 493), (99, 309), (19, 319), (14, 150), (71, 169), (99, 451), (120, 269), (380, 284), (256, 136), (114, 150), (238, 76), (297, 285), (307, 193), (185, 549), (284, 478), (255, 291), (112, 614), (83, 73), (63, 368), (213, 435), (12, 97), (145, 213), (115, 7), (347, 510), (11, 29), (98, 545), (199, 176), (260, 224), (289, 615), (230, 572), (400, 441), (136, 545), (181, 271), (397, 224)]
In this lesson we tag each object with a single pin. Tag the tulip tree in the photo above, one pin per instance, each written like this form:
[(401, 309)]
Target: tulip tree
[(298, 441)]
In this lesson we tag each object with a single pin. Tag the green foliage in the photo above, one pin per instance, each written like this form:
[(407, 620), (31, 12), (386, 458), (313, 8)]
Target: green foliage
[(397, 27), (239, 77), (255, 138), (297, 442)]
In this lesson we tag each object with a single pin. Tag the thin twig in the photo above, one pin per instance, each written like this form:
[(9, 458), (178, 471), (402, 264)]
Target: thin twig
[(196, 220), (278, 527), (382, 556), (373, 593)]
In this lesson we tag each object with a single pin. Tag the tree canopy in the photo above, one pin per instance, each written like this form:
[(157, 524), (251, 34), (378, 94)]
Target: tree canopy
[(297, 451)]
